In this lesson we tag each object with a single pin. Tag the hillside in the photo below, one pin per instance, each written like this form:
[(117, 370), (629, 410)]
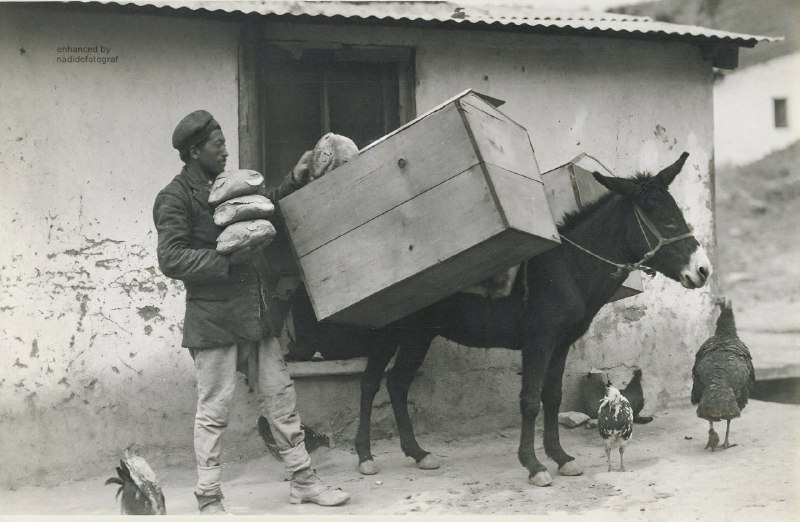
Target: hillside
[(761, 17), (758, 230)]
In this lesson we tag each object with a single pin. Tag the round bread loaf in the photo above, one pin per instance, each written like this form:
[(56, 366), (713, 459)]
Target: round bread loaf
[(331, 151), (243, 208), (234, 183), (244, 234)]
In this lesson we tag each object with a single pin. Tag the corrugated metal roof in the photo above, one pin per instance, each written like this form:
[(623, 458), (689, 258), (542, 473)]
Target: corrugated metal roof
[(444, 11)]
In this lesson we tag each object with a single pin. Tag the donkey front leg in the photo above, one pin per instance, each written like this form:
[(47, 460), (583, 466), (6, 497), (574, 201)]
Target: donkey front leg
[(409, 359), (534, 364), (370, 384), (551, 402)]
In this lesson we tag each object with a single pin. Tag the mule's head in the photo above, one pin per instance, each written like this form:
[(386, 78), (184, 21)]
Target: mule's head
[(658, 221)]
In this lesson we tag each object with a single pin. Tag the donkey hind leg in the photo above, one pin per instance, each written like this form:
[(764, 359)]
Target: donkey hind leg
[(409, 358), (534, 363), (551, 401), (370, 384)]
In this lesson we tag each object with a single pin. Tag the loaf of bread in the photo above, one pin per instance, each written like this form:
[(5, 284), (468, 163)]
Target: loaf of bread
[(244, 234), (234, 183), (331, 151), (243, 208)]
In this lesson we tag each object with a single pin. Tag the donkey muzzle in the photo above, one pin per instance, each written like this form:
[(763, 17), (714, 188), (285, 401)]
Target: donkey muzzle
[(697, 271)]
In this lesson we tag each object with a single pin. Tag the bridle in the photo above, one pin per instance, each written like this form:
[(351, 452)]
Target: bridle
[(643, 221)]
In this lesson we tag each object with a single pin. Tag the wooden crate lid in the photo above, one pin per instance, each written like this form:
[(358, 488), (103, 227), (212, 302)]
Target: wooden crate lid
[(495, 102)]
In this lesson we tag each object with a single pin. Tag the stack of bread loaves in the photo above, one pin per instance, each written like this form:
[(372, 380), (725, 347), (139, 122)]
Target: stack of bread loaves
[(240, 208)]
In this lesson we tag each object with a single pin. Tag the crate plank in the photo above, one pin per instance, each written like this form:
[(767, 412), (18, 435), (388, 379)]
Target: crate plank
[(437, 281), (501, 141), (523, 202)]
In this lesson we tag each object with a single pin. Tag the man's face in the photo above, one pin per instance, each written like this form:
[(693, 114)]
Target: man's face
[(211, 155)]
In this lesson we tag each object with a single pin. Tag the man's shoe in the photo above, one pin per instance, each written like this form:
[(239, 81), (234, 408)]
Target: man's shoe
[(210, 504), (306, 486)]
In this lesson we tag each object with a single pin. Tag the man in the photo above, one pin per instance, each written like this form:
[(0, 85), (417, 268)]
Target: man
[(229, 323)]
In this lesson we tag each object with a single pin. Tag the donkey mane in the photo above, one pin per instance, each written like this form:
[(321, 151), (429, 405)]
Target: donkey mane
[(575, 217), (646, 187)]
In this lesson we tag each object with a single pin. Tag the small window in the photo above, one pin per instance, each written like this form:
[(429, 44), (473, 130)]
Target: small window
[(779, 109)]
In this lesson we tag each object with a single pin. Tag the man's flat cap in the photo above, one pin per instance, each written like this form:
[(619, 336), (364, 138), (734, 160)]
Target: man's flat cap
[(193, 129)]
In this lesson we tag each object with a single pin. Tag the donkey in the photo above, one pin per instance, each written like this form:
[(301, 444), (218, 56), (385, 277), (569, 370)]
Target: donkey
[(556, 295)]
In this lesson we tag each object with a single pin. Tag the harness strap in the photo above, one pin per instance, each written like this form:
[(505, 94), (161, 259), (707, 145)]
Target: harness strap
[(639, 265)]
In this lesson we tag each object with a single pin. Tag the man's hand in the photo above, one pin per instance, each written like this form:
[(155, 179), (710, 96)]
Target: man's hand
[(301, 173)]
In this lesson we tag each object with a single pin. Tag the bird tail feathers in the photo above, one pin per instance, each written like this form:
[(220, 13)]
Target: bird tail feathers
[(718, 402)]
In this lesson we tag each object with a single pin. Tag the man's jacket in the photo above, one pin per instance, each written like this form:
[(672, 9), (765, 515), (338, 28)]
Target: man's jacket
[(225, 303)]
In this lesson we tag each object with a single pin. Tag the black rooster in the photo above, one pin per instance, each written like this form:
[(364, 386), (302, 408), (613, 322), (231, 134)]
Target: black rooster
[(138, 486), (723, 376)]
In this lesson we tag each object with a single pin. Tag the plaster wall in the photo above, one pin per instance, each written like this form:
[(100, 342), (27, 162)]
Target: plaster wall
[(89, 328)]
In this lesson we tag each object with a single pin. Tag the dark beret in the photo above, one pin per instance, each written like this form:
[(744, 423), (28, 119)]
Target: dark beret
[(193, 129)]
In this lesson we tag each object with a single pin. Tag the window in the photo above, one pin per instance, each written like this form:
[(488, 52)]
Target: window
[(779, 110), (361, 93)]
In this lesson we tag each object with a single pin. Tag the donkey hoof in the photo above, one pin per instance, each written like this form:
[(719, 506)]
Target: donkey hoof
[(367, 467), (428, 462), (541, 479), (570, 469)]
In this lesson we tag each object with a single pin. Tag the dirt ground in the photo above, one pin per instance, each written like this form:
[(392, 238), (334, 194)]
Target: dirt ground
[(670, 477)]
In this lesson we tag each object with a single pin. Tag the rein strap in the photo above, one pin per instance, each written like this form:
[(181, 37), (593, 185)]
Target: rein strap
[(639, 265)]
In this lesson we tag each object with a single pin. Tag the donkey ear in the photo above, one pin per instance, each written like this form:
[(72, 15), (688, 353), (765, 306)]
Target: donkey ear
[(666, 176), (621, 186)]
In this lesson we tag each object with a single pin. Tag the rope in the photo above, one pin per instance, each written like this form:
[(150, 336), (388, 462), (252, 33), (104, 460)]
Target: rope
[(628, 267), (639, 265)]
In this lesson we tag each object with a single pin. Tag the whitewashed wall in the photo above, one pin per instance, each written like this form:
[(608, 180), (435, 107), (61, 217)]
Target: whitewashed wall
[(744, 112), (90, 329)]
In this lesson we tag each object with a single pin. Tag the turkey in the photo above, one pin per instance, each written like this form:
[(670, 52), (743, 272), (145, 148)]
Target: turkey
[(615, 422), (138, 486), (723, 376)]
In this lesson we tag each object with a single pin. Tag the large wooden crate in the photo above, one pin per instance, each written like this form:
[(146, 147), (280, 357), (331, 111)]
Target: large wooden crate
[(445, 201), (571, 187)]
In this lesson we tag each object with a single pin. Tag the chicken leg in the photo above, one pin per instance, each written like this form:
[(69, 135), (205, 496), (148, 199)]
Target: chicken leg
[(727, 444), (713, 438)]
